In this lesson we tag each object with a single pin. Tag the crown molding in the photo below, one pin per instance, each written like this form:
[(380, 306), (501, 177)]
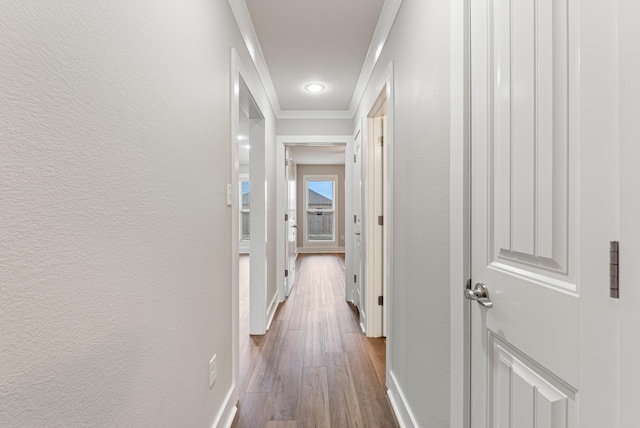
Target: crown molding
[(245, 25), (385, 22), (383, 28)]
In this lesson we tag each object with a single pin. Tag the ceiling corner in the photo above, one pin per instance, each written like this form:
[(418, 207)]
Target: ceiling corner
[(379, 39), (245, 25)]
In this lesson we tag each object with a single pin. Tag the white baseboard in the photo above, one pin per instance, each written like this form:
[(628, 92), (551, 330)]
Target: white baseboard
[(399, 403), (228, 411), (320, 250), (271, 311)]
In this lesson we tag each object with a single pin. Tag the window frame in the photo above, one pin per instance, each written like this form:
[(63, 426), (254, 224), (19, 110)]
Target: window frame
[(305, 194)]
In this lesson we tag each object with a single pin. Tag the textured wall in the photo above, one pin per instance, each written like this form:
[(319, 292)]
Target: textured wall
[(419, 46), (315, 127), (114, 233)]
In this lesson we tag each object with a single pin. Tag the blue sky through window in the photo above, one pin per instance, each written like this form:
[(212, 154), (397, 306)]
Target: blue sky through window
[(245, 187), (325, 188)]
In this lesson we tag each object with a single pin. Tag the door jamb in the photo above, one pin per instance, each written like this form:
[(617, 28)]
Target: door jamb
[(384, 84), (460, 215), (376, 244)]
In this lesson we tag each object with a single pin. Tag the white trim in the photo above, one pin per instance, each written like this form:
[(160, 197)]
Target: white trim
[(374, 319), (399, 403), (459, 218), (229, 409), (383, 28), (306, 243), (235, 216), (281, 229), (245, 25), (272, 310)]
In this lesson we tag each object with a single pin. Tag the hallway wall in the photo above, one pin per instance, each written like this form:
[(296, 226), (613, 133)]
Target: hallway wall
[(314, 126), (115, 270), (418, 45)]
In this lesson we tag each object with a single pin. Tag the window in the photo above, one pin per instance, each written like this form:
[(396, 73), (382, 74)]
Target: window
[(244, 211), (320, 200)]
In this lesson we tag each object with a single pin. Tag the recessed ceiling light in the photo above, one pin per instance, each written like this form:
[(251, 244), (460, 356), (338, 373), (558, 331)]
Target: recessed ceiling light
[(314, 88)]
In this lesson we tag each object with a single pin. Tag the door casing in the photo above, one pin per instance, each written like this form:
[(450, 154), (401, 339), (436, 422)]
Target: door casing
[(282, 141)]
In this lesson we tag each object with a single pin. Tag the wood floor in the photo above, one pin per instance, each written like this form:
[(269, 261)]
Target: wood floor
[(314, 367)]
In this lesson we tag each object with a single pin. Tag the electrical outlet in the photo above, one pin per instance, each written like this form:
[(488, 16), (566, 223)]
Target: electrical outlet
[(213, 372)]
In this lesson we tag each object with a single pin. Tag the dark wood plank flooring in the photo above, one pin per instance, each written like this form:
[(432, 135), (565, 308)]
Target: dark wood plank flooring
[(314, 367)]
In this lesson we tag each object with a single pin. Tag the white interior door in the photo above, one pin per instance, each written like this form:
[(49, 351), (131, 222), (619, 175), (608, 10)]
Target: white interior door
[(292, 225), (377, 283), (357, 227), (628, 18), (544, 351)]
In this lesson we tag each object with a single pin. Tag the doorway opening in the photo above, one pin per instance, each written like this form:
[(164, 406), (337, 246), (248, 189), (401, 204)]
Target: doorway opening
[(374, 289), (245, 194), (309, 156)]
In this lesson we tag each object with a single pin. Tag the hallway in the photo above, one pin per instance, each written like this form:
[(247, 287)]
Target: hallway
[(314, 367)]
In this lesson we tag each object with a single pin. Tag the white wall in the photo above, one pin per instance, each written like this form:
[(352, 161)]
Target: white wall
[(314, 126), (419, 47), (115, 245)]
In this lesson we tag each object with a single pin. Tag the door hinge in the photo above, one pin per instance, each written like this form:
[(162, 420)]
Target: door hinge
[(286, 217), (355, 278), (380, 300), (381, 140), (355, 218), (380, 220), (354, 158), (614, 269), (467, 285), (286, 273)]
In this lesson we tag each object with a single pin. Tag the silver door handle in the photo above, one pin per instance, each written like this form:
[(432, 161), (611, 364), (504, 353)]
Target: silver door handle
[(479, 293)]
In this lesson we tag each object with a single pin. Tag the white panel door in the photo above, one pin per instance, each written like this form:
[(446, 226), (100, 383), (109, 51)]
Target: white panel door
[(536, 221), (292, 224)]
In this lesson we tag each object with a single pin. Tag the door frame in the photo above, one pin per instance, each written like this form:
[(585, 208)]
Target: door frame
[(290, 166), (383, 94), (376, 185), (460, 215), (239, 72), (281, 230)]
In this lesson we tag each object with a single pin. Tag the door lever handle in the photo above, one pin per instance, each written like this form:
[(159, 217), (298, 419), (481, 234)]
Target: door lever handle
[(479, 293)]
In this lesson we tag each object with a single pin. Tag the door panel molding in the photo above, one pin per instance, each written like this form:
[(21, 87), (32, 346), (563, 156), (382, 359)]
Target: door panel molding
[(533, 208)]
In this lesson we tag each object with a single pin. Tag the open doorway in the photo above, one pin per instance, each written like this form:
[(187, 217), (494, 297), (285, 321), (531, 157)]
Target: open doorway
[(251, 173), (300, 156), (246, 197), (373, 290)]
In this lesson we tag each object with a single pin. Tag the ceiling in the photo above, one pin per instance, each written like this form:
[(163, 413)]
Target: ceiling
[(305, 41), (333, 42)]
